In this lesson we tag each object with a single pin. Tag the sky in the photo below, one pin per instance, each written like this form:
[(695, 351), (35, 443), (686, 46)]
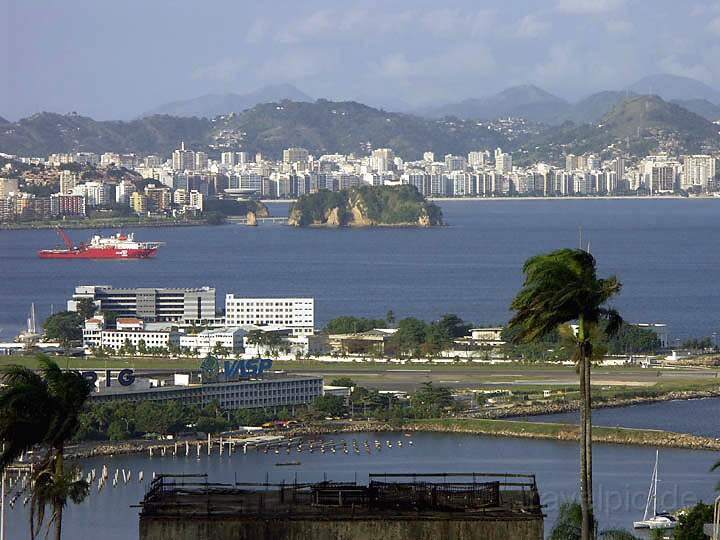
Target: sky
[(116, 59)]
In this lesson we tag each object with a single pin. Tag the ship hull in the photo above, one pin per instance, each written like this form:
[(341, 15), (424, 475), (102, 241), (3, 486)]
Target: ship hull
[(93, 253)]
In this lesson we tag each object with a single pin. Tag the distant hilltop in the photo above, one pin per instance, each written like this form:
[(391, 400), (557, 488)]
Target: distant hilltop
[(366, 206)]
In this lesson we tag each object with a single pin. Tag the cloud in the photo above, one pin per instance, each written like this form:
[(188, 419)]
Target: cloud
[(714, 26), (222, 70), (683, 67), (258, 31), (619, 26), (588, 7), (462, 61), (530, 26)]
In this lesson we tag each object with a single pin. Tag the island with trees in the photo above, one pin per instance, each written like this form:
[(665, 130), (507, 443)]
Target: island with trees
[(366, 206)]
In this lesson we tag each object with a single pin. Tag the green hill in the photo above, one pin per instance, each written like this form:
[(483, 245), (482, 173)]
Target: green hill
[(366, 206), (45, 133), (349, 127), (639, 125), (321, 127)]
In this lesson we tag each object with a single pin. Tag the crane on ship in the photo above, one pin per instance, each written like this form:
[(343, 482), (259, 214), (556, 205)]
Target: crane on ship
[(66, 239)]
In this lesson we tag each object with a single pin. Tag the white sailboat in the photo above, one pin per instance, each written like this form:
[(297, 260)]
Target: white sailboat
[(658, 520), (30, 335)]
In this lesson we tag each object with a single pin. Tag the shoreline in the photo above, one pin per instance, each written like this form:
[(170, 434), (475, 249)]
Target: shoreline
[(521, 411), (38, 226), (512, 429), (507, 424)]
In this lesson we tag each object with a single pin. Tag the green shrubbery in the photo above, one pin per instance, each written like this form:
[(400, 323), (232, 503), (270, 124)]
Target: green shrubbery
[(381, 205)]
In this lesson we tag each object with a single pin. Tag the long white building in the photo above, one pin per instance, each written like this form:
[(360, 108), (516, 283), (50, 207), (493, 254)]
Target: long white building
[(296, 314)]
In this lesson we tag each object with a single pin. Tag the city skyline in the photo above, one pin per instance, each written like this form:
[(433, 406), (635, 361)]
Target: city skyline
[(400, 57)]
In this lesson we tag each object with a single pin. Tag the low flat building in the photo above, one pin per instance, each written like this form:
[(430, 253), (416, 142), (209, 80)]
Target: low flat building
[(128, 331), (374, 341), (230, 338), (487, 335), (117, 339), (473, 506), (273, 390)]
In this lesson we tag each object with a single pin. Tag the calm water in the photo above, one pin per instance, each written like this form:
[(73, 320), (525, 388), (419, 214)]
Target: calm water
[(697, 416), (622, 476), (664, 251)]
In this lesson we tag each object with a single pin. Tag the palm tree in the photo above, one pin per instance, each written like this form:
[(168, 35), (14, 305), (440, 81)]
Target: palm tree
[(568, 525), (560, 287), (44, 409)]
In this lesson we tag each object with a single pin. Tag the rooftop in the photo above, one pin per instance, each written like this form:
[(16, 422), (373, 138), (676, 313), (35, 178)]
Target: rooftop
[(476, 496)]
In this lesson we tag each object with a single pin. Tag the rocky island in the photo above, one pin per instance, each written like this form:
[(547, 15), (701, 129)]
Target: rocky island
[(366, 206)]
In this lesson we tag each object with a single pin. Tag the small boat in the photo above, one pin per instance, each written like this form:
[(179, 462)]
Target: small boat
[(288, 464), (659, 520)]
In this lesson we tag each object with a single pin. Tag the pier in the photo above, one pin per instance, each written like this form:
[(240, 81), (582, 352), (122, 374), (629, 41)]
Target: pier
[(241, 220)]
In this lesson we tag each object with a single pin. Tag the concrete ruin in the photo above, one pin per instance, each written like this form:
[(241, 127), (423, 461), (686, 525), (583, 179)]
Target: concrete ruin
[(454, 506)]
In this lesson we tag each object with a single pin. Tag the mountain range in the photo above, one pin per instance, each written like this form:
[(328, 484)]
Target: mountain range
[(212, 105), (637, 122), (321, 127), (538, 105)]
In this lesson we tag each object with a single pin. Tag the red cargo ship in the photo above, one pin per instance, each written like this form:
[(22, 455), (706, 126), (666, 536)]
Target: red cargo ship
[(118, 246)]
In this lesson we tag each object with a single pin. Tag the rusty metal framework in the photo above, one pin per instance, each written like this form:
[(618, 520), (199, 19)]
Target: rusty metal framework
[(474, 493)]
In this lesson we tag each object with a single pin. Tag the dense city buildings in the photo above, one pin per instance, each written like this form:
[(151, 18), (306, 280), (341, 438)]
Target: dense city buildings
[(186, 184)]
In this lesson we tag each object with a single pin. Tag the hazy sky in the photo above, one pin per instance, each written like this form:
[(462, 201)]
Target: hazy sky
[(118, 58)]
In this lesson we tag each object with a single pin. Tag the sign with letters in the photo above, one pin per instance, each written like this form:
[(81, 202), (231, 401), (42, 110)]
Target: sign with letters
[(125, 377), (246, 368)]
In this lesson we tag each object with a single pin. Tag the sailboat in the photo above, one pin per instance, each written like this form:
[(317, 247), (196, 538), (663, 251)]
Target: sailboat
[(659, 520), (30, 335)]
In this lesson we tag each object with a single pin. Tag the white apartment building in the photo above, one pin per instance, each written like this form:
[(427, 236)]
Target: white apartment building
[(8, 186), (503, 161), (68, 180), (95, 193), (698, 171), (203, 343), (296, 314)]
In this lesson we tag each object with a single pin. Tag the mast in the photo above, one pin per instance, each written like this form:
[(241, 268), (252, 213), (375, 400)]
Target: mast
[(32, 327), (657, 452), (652, 492)]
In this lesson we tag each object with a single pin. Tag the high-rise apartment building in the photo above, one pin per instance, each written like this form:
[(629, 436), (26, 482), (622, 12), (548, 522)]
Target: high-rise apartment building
[(503, 161), (455, 163), (201, 161), (295, 155), (477, 159), (698, 171), (68, 180), (182, 159), (382, 159)]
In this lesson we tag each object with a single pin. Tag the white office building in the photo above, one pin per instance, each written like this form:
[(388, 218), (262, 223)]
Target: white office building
[(296, 314)]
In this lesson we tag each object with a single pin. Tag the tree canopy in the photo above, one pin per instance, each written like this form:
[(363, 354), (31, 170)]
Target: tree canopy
[(65, 327)]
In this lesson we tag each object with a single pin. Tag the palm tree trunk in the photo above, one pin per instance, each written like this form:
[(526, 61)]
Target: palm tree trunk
[(588, 445), (59, 473), (584, 488)]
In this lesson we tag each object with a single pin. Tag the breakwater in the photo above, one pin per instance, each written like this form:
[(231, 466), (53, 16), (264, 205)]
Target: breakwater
[(556, 407)]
